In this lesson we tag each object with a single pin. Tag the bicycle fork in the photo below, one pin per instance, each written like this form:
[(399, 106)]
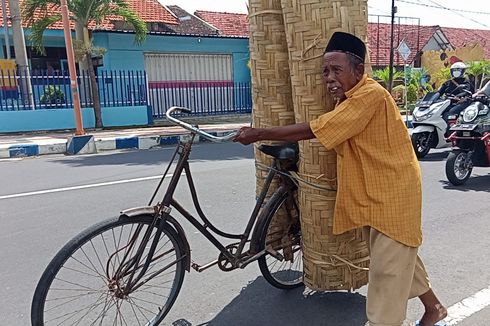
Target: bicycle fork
[(136, 266)]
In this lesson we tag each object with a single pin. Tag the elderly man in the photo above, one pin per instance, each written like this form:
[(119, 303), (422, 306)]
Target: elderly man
[(379, 181)]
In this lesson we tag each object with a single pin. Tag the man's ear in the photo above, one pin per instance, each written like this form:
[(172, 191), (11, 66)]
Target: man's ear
[(359, 71)]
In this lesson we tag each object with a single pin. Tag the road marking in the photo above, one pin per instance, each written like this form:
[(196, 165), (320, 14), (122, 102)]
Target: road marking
[(94, 185), (468, 307)]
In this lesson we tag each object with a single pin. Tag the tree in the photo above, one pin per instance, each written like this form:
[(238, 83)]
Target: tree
[(479, 70), (40, 14), (383, 75)]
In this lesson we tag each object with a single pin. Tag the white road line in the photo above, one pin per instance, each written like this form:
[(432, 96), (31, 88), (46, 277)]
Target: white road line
[(102, 184), (468, 307)]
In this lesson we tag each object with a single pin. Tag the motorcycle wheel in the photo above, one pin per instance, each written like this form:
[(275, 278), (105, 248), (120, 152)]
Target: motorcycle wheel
[(457, 171), (421, 143)]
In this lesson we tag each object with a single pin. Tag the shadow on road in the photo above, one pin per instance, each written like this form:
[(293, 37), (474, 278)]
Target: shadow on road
[(435, 157), (474, 183), (259, 304), (158, 156)]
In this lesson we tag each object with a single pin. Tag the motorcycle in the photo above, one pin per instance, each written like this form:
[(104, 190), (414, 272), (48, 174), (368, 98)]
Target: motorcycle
[(470, 140), (430, 125)]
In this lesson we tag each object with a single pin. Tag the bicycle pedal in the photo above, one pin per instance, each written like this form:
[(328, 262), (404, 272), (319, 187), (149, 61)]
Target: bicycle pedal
[(274, 254)]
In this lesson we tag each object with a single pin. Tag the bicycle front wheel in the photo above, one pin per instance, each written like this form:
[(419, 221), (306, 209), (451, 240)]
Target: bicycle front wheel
[(282, 267), (86, 282)]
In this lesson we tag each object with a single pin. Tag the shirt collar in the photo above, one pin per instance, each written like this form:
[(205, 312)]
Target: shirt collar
[(358, 85)]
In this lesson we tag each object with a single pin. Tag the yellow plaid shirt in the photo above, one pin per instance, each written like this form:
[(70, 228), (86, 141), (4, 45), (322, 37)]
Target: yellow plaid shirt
[(379, 179)]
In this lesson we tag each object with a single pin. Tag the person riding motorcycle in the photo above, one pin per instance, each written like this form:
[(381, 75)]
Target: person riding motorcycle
[(456, 86)]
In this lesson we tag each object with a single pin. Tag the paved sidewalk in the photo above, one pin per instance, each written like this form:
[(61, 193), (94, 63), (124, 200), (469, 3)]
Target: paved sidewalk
[(42, 143)]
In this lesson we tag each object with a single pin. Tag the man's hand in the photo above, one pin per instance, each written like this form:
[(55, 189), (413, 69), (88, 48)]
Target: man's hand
[(289, 133), (247, 135)]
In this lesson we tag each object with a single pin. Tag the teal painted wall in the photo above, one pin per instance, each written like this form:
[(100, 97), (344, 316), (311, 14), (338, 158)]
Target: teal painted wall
[(59, 119), (122, 53), (54, 38)]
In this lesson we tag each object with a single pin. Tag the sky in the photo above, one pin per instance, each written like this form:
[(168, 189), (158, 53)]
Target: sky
[(422, 9)]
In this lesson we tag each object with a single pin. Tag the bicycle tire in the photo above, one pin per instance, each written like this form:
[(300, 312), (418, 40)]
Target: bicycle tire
[(288, 244), (95, 301)]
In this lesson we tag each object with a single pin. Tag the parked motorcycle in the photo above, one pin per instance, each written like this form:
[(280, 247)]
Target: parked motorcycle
[(470, 140)]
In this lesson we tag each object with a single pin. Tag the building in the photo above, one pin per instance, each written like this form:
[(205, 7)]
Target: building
[(186, 58)]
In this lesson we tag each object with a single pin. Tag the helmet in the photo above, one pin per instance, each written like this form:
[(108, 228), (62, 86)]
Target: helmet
[(458, 69)]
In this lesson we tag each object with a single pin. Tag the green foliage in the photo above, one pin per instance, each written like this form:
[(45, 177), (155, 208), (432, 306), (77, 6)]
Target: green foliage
[(82, 12), (416, 87), (479, 70), (53, 95), (384, 75), (441, 76)]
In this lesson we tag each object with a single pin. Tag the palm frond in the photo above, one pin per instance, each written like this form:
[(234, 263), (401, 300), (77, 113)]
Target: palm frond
[(30, 8), (38, 28), (133, 19)]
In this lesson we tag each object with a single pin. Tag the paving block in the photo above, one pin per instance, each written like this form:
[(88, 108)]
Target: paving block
[(81, 145), (22, 150), (148, 142), (127, 142), (169, 140), (105, 144)]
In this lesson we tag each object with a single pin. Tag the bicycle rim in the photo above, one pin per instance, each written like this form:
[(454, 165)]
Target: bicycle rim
[(282, 235), (79, 287)]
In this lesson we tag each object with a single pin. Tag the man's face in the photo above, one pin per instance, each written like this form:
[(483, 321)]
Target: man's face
[(339, 74)]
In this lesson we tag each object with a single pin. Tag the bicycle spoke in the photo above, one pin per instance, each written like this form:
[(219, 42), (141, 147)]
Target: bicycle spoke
[(70, 315), (90, 261), (140, 310), (87, 267), (87, 283)]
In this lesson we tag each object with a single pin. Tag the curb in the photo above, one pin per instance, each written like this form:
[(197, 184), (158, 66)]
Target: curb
[(101, 144)]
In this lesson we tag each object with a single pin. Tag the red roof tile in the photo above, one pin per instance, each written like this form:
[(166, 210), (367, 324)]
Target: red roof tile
[(190, 24), (147, 10), (460, 37), (229, 24), (379, 34)]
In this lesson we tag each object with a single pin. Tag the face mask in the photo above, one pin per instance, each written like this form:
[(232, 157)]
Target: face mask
[(456, 73)]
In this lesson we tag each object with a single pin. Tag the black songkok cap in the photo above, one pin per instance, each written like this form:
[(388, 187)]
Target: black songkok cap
[(348, 43)]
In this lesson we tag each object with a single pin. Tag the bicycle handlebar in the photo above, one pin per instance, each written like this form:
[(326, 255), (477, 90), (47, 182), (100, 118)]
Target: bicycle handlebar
[(192, 128)]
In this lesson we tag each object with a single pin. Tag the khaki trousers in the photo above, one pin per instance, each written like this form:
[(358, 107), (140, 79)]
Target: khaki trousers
[(396, 274)]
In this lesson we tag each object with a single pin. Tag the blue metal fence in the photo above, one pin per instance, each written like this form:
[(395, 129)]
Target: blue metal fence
[(51, 90), (203, 98)]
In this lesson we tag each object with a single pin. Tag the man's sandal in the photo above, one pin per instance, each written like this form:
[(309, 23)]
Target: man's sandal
[(439, 323)]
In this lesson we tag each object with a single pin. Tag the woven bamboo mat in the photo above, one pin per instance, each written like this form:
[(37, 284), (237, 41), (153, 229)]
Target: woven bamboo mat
[(331, 262)]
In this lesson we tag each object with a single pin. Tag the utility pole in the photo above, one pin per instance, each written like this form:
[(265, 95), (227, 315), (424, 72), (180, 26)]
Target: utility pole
[(390, 78), (6, 28), (20, 52), (71, 67)]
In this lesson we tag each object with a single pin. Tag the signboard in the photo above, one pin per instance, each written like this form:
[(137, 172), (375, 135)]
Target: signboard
[(404, 50)]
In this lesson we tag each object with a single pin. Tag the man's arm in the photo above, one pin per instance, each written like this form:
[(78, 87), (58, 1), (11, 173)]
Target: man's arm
[(290, 133)]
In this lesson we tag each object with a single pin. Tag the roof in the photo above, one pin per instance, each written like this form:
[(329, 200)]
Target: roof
[(147, 10), (379, 35), (460, 37), (190, 24), (230, 24)]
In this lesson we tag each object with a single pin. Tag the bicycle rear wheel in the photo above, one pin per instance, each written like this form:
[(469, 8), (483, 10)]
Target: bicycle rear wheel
[(281, 235), (80, 286)]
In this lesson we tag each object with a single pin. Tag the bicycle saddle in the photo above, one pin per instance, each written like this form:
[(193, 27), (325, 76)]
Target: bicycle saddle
[(281, 152)]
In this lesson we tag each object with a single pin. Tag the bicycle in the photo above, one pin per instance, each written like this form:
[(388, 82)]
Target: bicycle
[(129, 270)]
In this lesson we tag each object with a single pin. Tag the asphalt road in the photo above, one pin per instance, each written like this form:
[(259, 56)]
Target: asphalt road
[(46, 212)]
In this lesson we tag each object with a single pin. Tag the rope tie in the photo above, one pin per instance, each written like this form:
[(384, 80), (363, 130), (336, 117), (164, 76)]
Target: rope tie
[(298, 179), (264, 12)]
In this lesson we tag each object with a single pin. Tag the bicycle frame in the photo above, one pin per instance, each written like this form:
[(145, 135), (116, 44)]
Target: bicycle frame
[(162, 211)]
